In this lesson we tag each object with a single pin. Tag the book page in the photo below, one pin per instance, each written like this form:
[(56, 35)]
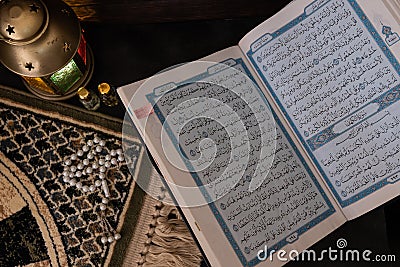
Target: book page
[(394, 8), (331, 66), (289, 210)]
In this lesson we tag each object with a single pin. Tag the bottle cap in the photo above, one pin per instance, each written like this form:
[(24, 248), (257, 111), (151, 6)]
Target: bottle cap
[(83, 93), (104, 88)]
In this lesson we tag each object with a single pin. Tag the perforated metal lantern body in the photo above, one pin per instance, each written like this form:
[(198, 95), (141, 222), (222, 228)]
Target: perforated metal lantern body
[(42, 41)]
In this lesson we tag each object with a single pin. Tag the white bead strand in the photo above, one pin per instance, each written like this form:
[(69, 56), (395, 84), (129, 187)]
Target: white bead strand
[(89, 160)]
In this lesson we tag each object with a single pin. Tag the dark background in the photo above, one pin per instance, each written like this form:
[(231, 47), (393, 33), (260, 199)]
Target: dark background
[(133, 40)]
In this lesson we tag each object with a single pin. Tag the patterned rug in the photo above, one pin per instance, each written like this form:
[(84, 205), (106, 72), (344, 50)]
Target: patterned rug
[(45, 222)]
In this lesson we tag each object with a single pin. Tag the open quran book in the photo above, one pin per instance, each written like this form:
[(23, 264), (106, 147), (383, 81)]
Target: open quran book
[(321, 89)]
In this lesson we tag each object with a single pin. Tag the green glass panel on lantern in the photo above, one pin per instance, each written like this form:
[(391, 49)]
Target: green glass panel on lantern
[(65, 78)]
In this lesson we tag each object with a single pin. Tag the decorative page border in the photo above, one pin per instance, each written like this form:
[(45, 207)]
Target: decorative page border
[(327, 135), (294, 235)]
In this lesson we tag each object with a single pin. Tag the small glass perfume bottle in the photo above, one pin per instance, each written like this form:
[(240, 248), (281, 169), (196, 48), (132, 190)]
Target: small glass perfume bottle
[(89, 99), (108, 95)]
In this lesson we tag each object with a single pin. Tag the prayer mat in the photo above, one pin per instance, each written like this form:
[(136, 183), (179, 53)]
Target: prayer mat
[(46, 222)]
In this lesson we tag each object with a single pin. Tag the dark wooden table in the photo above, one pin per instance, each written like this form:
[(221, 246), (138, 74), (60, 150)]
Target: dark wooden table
[(130, 43), (161, 11)]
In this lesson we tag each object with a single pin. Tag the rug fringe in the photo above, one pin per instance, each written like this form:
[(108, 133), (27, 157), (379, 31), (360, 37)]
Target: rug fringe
[(169, 243)]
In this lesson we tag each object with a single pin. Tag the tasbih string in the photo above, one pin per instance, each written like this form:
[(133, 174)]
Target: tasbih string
[(75, 168)]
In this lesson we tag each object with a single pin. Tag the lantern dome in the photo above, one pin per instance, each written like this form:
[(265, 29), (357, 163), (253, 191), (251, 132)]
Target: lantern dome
[(22, 22), (37, 37)]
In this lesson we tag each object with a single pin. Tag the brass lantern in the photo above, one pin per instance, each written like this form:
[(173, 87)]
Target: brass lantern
[(42, 41)]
